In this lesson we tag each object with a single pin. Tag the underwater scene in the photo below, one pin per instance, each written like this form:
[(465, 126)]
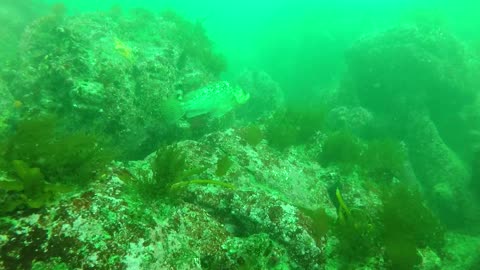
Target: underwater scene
[(240, 135)]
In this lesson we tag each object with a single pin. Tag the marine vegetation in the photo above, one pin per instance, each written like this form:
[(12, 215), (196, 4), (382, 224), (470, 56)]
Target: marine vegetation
[(382, 160), (169, 166), (408, 225), (321, 223), (295, 125), (251, 134), (171, 173), (42, 160), (223, 165), (28, 190), (347, 163), (406, 217), (359, 237), (357, 231), (342, 149), (71, 66), (377, 160), (61, 156), (402, 225), (196, 46)]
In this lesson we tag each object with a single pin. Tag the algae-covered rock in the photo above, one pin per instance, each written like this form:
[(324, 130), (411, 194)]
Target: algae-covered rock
[(408, 67), (440, 170), (111, 72), (265, 94), (358, 120), (418, 82), (8, 107), (109, 225), (411, 68)]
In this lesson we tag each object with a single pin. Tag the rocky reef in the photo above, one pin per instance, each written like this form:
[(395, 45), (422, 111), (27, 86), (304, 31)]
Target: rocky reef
[(102, 166), (418, 82)]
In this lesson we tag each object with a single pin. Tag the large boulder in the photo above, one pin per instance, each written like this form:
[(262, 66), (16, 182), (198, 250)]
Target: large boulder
[(110, 72), (410, 67), (420, 86)]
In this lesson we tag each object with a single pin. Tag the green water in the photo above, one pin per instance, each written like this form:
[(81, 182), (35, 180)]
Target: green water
[(244, 31), (239, 134)]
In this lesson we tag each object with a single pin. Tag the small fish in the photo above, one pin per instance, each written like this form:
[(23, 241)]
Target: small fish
[(123, 49), (17, 104), (343, 211), (214, 100)]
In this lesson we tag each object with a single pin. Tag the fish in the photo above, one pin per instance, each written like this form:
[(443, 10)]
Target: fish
[(17, 104), (213, 100), (123, 49)]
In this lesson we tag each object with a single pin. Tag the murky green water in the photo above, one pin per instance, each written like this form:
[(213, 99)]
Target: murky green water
[(239, 135)]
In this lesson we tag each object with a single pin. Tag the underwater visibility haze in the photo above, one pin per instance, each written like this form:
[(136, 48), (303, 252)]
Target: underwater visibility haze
[(239, 134)]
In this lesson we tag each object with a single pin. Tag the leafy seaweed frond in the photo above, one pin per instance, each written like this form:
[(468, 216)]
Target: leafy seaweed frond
[(29, 189), (170, 170), (62, 156)]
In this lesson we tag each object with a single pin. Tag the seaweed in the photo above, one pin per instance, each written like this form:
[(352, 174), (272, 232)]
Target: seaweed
[(383, 160), (341, 148), (61, 156), (281, 132), (401, 226), (401, 253), (223, 165), (251, 134), (320, 222), (380, 160), (171, 174), (357, 232), (405, 216), (29, 189), (407, 225), (43, 160), (198, 46), (195, 44), (359, 237), (168, 168), (296, 125)]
